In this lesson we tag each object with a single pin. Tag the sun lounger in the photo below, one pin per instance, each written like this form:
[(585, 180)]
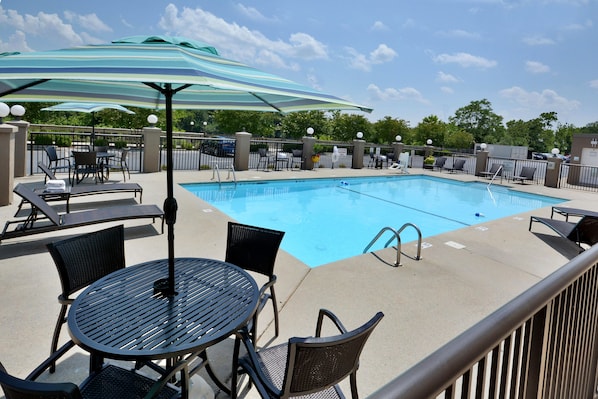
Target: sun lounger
[(495, 170), (82, 190), (527, 173), (566, 212), (44, 218), (585, 231), (457, 166)]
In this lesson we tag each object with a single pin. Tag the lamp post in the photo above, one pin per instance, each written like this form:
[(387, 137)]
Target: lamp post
[(152, 120), (358, 148), (397, 148), (20, 140)]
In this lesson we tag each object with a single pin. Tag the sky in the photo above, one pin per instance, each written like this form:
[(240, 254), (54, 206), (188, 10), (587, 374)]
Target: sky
[(405, 59)]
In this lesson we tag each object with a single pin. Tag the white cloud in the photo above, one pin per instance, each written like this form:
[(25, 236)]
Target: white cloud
[(239, 42), (379, 25), (594, 84), (407, 93), (536, 67), (460, 34), (89, 22), (252, 13), (16, 42), (465, 60), (382, 54), (447, 90), (541, 101), (446, 77), (538, 41)]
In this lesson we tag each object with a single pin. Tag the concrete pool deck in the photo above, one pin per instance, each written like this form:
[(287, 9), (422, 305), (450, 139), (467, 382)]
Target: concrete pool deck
[(462, 277)]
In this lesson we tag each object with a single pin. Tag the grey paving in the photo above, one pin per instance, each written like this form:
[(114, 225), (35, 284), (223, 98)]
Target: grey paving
[(463, 276)]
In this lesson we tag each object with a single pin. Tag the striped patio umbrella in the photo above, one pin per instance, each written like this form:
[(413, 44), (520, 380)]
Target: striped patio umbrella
[(157, 72), (90, 108)]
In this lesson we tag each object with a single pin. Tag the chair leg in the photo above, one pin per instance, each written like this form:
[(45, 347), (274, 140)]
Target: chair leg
[(234, 375), (61, 320), (275, 309)]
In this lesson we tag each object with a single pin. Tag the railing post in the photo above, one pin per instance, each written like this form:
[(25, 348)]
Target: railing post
[(553, 171), (358, 147), (242, 150), (20, 147), (151, 149), (481, 162), (308, 151), (7, 165)]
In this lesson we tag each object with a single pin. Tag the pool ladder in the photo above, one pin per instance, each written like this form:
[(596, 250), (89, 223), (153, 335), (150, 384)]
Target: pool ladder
[(216, 173), (397, 235)]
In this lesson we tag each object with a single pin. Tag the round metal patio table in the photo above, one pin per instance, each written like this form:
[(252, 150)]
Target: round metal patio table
[(120, 316)]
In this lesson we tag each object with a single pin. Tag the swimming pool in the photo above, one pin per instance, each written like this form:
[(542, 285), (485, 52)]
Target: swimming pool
[(326, 220)]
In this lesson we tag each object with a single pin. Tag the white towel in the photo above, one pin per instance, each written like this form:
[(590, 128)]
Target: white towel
[(55, 185)]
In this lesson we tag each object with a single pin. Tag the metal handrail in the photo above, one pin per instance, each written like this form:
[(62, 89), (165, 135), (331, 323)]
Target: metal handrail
[(216, 172), (495, 174), (397, 235)]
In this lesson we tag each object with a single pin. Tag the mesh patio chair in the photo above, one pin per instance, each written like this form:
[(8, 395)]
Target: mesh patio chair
[(527, 173), (109, 382), (265, 158), (86, 164), (119, 162), (80, 261), (57, 163), (308, 367), (297, 159), (255, 248)]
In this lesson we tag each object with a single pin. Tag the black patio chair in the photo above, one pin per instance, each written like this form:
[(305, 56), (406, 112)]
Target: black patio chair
[(119, 162), (86, 164), (80, 261), (109, 382), (57, 163), (265, 158), (255, 248), (297, 159), (308, 367)]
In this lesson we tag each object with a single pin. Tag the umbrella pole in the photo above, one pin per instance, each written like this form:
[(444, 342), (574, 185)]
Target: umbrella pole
[(167, 287)]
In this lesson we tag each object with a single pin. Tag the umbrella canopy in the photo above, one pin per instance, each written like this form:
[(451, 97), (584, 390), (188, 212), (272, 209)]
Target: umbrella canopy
[(88, 108), (158, 72)]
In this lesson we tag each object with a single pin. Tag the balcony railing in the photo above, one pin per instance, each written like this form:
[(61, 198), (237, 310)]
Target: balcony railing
[(542, 344)]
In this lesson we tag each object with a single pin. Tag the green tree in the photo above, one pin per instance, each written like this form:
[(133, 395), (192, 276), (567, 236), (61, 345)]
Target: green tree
[(385, 130), (478, 119), (432, 128), (344, 127), (457, 138), (260, 124), (294, 125), (563, 137), (517, 133)]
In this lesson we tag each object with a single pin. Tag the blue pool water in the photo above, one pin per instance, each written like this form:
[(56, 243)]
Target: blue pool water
[(326, 220)]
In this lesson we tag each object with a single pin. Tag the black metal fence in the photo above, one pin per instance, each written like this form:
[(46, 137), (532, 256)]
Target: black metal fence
[(542, 344)]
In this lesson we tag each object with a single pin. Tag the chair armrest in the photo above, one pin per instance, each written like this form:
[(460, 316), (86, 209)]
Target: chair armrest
[(50, 361), (333, 318), (180, 366), (251, 365)]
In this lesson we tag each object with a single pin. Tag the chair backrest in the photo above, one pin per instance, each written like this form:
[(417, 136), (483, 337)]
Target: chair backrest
[(334, 358), (83, 259), (297, 153), (123, 155), (440, 162), (16, 388), (85, 158), (528, 172), (51, 151), (252, 248), (587, 228), (459, 163), (496, 167), (49, 174), (263, 152), (38, 202)]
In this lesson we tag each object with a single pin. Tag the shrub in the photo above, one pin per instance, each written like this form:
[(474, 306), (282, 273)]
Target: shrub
[(63, 141), (42, 139), (120, 144)]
